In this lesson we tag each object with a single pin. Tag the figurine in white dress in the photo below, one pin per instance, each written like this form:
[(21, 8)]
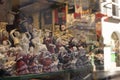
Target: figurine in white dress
[(25, 41), (6, 44), (38, 46)]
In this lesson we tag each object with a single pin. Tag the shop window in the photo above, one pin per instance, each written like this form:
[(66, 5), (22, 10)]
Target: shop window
[(111, 8), (115, 8)]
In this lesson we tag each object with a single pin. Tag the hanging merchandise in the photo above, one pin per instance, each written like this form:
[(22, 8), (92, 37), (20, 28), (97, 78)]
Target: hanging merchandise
[(47, 15), (77, 13), (98, 16), (60, 15), (94, 5), (85, 4), (71, 7), (77, 2)]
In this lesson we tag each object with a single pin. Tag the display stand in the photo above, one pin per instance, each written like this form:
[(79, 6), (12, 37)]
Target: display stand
[(61, 75)]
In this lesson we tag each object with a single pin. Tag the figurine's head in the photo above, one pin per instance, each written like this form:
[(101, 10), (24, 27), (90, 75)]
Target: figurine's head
[(62, 27), (47, 33), (62, 49), (74, 48), (5, 43)]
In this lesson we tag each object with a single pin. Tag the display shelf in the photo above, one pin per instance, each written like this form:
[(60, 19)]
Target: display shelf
[(37, 76), (44, 75), (11, 78), (65, 74)]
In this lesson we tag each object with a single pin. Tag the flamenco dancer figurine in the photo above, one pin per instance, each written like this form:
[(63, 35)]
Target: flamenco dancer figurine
[(21, 65), (4, 48), (25, 41), (3, 35), (38, 46), (16, 36), (34, 65), (6, 44), (54, 65), (49, 41)]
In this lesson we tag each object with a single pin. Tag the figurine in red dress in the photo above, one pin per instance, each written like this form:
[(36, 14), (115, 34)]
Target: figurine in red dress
[(34, 65), (21, 65)]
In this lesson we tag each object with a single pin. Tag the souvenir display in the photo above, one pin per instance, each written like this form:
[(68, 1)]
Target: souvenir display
[(52, 39), (48, 55), (26, 49)]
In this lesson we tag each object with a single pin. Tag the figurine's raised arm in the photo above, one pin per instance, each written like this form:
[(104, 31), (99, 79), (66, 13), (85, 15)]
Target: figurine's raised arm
[(28, 34), (12, 33), (9, 43)]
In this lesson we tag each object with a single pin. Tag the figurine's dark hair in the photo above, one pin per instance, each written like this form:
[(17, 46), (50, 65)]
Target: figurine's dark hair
[(61, 27)]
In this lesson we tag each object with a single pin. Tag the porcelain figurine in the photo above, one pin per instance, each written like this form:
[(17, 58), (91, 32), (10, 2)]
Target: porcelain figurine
[(4, 35), (31, 50), (6, 44), (10, 66), (49, 41), (45, 59), (25, 41), (62, 56), (1, 59), (73, 62), (54, 65), (21, 65), (34, 65), (35, 32), (38, 46), (16, 36), (36, 43)]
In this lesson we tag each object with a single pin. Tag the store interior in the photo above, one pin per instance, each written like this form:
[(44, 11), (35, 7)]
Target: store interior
[(45, 36)]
